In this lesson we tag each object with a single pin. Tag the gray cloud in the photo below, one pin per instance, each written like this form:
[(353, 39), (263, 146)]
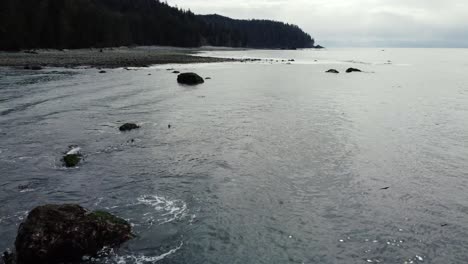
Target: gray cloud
[(356, 22)]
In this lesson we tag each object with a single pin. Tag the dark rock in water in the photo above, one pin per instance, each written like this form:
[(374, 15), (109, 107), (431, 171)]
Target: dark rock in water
[(176, 72), (65, 233), (208, 78), (71, 160), (352, 70), (318, 47), (332, 71), (292, 60), (128, 127), (33, 67), (189, 78), (102, 71), (8, 258)]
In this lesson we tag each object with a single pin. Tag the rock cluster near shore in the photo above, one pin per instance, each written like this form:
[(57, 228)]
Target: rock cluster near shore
[(66, 233)]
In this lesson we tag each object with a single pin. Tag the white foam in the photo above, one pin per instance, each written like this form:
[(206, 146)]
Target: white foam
[(15, 217), (27, 190), (74, 151), (171, 209), (140, 259)]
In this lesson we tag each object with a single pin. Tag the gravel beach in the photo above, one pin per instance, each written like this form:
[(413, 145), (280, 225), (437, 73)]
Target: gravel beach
[(104, 58)]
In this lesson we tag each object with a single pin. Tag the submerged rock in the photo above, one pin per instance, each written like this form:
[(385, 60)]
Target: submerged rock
[(102, 71), (332, 71), (65, 233), (189, 78), (128, 127), (176, 72), (352, 70)]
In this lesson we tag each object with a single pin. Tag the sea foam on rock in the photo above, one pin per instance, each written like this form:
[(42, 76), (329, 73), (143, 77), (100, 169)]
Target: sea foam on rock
[(189, 78), (66, 233)]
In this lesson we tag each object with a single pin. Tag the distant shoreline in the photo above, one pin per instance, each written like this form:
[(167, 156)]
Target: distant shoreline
[(106, 57)]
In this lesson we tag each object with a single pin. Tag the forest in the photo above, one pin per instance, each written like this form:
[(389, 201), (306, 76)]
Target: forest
[(30, 24)]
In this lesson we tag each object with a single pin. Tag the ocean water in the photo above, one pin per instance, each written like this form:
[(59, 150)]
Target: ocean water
[(267, 162)]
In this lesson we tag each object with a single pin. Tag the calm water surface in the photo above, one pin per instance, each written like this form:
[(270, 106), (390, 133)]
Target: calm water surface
[(264, 163)]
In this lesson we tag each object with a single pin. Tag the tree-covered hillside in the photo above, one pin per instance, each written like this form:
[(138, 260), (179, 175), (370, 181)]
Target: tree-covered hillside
[(26, 24), (254, 33)]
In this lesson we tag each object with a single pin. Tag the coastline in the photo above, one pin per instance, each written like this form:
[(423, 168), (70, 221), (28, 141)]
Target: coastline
[(106, 57)]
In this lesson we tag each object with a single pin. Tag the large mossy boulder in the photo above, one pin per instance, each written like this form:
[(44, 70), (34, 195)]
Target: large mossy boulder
[(66, 233), (189, 78)]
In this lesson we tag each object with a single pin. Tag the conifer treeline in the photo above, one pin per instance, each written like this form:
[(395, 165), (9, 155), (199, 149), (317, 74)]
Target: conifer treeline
[(26, 24)]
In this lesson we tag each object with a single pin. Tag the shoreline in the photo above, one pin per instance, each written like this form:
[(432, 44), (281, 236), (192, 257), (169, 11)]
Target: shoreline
[(106, 57)]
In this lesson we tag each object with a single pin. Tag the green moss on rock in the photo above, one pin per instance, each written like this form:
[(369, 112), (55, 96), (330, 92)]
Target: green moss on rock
[(71, 160)]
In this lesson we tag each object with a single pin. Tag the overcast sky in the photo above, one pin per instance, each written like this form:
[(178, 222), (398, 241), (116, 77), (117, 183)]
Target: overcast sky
[(382, 23)]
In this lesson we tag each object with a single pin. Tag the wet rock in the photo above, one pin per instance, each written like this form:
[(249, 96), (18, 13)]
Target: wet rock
[(71, 160), (128, 127), (8, 258), (208, 78), (102, 71), (65, 233), (176, 72), (72, 157), (189, 78), (332, 71), (352, 70), (33, 67)]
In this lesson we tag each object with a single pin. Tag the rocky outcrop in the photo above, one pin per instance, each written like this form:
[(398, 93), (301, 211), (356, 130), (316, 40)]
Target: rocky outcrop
[(128, 127), (352, 70), (189, 78), (65, 233)]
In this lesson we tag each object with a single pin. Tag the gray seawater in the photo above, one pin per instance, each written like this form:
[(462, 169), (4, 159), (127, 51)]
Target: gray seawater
[(264, 163)]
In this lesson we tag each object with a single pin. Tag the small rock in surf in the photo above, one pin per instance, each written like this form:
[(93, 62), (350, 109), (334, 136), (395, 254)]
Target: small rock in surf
[(128, 127), (72, 157), (353, 70)]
